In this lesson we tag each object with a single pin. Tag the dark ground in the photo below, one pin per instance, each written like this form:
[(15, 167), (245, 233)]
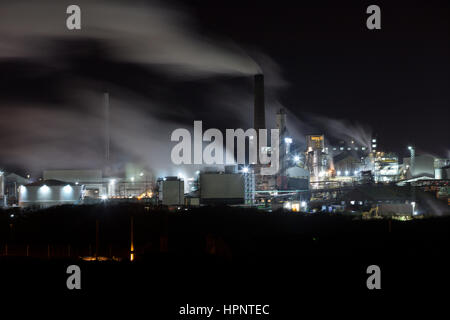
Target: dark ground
[(216, 256)]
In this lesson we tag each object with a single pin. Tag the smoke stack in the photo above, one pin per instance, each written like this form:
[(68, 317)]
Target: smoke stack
[(259, 120), (107, 134)]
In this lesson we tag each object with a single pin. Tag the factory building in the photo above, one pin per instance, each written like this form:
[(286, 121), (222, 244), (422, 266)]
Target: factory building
[(386, 167), (347, 163), (136, 183), (298, 178), (424, 167), (91, 179), (9, 188), (171, 191), (227, 187), (316, 157), (49, 193)]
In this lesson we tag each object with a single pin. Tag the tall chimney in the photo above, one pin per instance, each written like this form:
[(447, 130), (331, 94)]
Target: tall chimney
[(259, 118), (107, 134)]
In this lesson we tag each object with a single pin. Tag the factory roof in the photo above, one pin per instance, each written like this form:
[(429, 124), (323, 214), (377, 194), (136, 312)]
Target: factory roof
[(50, 183)]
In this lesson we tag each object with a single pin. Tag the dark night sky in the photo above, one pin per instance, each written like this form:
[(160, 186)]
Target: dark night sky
[(396, 79), (393, 82)]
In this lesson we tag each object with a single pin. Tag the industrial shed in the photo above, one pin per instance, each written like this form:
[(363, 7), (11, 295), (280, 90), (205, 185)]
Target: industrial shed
[(49, 193)]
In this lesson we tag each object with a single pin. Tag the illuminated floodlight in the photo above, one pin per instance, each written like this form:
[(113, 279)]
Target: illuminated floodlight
[(245, 170), (339, 173), (45, 189), (104, 197), (67, 189), (197, 172), (374, 140), (297, 158), (356, 172), (77, 183), (132, 179), (346, 172), (141, 174), (288, 140), (413, 204), (410, 148), (112, 181), (303, 204)]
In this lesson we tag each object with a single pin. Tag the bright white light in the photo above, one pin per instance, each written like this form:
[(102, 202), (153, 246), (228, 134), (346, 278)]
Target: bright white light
[(67, 189), (297, 158), (245, 170), (410, 148), (374, 140), (112, 181), (338, 173), (352, 202), (132, 179), (287, 205), (76, 183), (44, 189), (374, 146), (180, 176), (104, 197), (356, 172), (141, 174), (197, 172), (346, 173), (288, 140), (303, 204)]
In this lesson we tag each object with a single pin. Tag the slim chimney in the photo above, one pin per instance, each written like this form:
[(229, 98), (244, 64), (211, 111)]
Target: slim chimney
[(107, 134), (259, 120)]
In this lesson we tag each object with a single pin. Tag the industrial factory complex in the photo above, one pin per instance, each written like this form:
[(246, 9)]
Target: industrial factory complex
[(314, 175)]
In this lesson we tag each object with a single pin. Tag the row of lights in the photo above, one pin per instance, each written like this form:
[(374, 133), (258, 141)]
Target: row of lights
[(347, 172)]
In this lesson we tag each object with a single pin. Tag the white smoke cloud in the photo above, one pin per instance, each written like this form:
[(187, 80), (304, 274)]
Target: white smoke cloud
[(140, 33)]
